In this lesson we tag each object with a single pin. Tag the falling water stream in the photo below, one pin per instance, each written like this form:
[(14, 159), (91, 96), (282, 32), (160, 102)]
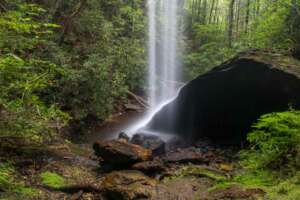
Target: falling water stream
[(164, 72)]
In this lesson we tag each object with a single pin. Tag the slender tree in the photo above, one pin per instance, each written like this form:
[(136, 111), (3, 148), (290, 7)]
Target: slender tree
[(230, 22), (247, 16), (211, 11)]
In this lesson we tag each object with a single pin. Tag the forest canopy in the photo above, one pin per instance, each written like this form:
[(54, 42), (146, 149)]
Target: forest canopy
[(218, 29)]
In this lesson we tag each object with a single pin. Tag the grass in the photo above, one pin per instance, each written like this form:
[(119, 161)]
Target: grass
[(276, 188), (257, 178), (247, 179), (288, 189), (52, 180)]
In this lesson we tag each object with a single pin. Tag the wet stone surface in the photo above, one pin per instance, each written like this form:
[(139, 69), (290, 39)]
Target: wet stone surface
[(119, 153), (152, 142)]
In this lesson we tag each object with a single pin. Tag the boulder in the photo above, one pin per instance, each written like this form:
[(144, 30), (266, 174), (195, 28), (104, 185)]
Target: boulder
[(120, 153), (123, 136), (152, 142), (223, 103), (127, 185)]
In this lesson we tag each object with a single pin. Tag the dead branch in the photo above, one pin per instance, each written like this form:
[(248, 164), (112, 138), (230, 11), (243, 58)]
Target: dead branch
[(2, 5), (139, 99)]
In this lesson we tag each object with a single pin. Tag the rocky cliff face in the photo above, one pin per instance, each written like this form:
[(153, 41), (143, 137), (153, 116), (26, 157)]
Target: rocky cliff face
[(223, 103)]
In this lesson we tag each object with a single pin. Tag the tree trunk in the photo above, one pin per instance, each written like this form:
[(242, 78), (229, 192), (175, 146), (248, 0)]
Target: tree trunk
[(192, 7), (230, 22), (257, 12), (216, 12), (238, 17), (199, 10), (211, 11), (247, 16), (204, 12)]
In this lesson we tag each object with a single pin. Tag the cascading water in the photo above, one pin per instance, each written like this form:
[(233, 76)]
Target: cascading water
[(164, 71), (163, 67)]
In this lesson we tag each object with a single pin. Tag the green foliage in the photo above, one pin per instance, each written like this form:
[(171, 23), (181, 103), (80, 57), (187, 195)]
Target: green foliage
[(24, 75), (276, 188), (206, 49), (11, 186), (272, 162), (248, 179), (50, 74), (256, 178), (6, 172), (103, 56), (275, 142), (288, 189), (261, 24), (270, 29), (52, 180)]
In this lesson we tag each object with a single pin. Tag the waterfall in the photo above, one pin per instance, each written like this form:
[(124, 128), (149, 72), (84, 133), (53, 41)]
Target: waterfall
[(163, 67)]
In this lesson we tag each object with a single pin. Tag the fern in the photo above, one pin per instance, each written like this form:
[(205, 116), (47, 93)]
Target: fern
[(274, 142)]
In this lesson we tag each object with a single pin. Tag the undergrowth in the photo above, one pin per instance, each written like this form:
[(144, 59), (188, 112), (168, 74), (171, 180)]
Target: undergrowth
[(52, 180), (273, 160), (12, 187), (274, 143)]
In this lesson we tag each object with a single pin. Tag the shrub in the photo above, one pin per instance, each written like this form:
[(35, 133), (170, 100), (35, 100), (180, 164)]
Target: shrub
[(24, 75)]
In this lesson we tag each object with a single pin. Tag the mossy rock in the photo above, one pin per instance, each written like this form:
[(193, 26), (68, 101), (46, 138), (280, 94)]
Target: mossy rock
[(198, 172), (127, 185)]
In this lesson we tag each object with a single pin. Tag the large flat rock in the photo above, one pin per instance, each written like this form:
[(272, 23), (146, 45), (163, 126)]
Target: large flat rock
[(120, 154)]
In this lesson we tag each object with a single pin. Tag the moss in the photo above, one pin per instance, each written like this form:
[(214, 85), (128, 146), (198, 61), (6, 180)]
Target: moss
[(77, 149), (52, 180), (257, 178), (248, 179), (197, 171), (276, 188), (222, 185)]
